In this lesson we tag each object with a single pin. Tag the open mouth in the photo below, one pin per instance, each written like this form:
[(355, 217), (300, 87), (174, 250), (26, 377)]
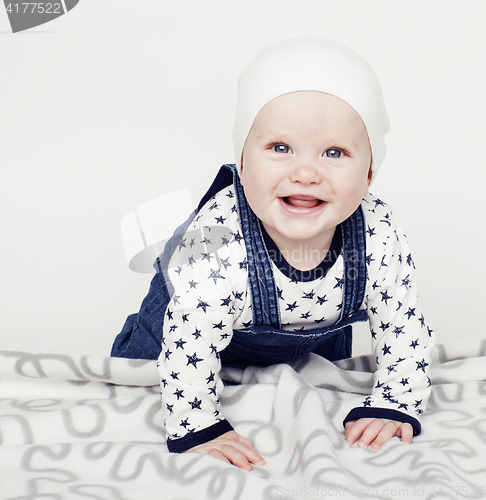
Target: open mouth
[(301, 201)]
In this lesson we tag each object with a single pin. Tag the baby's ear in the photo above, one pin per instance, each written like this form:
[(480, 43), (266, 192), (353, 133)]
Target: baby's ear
[(241, 169), (370, 172), (370, 175)]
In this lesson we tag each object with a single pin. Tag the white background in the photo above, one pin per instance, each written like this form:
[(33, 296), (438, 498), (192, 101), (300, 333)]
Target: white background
[(121, 101)]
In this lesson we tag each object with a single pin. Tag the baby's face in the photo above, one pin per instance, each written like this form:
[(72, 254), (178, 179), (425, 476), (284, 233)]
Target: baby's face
[(306, 167)]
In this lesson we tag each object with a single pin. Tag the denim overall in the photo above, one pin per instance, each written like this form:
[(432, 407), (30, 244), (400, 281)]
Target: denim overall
[(265, 342)]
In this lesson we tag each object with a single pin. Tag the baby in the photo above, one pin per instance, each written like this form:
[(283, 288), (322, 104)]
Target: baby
[(285, 252)]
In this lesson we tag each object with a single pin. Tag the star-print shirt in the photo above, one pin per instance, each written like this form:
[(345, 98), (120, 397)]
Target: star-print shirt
[(212, 297)]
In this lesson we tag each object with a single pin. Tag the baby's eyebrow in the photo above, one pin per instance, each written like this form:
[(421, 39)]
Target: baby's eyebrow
[(271, 136)]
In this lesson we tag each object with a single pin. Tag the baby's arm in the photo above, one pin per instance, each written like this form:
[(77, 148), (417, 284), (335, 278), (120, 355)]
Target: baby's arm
[(190, 389), (209, 291), (401, 341), (189, 366)]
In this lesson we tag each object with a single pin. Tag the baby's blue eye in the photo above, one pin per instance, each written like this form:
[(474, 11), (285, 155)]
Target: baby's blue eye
[(281, 148), (333, 153)]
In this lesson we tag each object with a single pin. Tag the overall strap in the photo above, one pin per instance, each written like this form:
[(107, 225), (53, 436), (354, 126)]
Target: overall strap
[(223, 179), (354, 253), (262, 283)]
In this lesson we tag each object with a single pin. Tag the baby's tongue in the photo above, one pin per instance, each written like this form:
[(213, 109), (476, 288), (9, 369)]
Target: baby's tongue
[(302, 201)]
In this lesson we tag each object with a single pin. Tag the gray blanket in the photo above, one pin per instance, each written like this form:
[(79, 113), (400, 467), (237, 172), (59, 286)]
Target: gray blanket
[(91, 428)]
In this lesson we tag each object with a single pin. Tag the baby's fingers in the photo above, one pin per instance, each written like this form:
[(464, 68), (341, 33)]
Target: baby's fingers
[(250, 452), (231, 448), (375, 432), (354, 429), (405, 431), (215, 453), (378, 433), (242, 457)]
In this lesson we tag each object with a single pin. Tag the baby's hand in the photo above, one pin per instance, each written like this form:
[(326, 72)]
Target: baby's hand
[(231, 448), (376, 431)]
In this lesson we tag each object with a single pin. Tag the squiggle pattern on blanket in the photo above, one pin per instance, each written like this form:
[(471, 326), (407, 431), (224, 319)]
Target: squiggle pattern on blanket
[(91, 427)]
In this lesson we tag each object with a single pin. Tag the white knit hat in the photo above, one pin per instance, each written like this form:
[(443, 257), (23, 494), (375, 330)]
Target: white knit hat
[(311, 64)]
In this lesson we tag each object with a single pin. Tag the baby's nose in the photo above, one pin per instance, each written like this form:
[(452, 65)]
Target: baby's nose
[(306, 173)]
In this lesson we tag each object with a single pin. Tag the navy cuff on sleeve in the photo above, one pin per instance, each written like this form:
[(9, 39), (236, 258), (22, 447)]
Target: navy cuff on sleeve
[(195, 438), (369, 412)]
